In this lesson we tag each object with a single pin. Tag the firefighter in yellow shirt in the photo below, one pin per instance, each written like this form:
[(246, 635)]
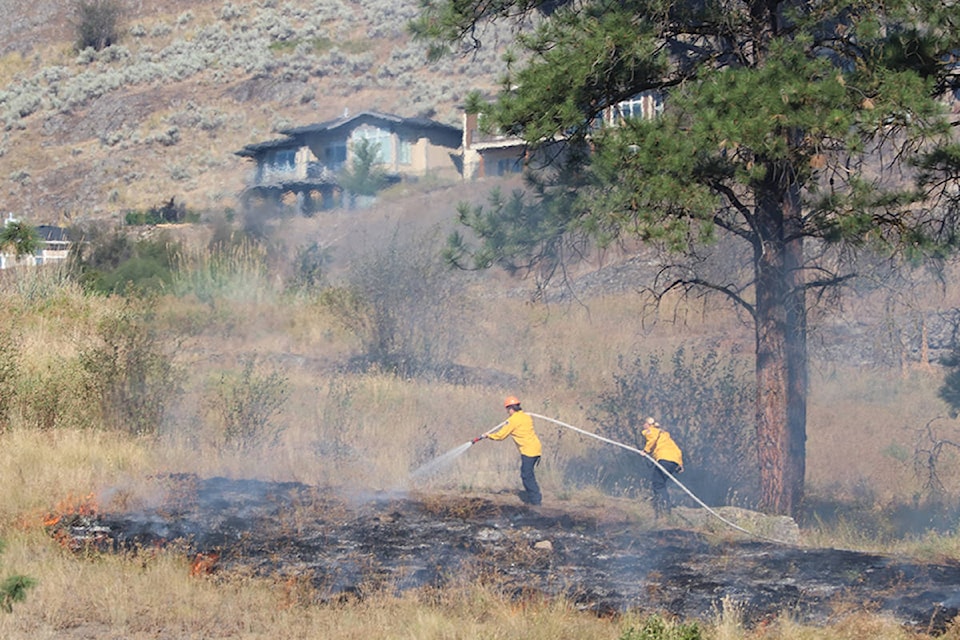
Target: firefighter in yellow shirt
[(520, 426), (664, 450)]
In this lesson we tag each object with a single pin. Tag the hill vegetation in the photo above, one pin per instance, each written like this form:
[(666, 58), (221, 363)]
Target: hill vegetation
[(158, 114)]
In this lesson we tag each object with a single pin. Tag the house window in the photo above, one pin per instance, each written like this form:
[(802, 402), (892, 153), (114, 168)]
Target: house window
[(335, 156), (381, 140), (503, 166), (405, 152), (646, 105), (284, 160)]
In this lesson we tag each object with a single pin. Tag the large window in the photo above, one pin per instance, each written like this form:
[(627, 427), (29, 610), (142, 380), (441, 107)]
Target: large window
[(405, 152), (502, 166), (381, 139), (284, 160), (335, 156), (646, 105)]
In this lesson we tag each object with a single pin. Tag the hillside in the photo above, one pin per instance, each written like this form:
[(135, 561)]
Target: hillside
[(160, 115)]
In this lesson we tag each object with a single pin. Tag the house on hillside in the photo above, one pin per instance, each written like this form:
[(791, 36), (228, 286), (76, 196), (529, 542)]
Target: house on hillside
[(54, 247), (494, 155), (301, 168), (490, 154)]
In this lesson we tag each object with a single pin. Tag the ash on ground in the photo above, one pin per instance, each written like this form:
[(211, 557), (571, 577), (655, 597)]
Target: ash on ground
[(347, 547)]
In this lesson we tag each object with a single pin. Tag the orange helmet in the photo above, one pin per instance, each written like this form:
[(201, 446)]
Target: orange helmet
[(510, 401)]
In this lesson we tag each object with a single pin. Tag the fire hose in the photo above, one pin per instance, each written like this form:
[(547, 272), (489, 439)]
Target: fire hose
[(659, 466)]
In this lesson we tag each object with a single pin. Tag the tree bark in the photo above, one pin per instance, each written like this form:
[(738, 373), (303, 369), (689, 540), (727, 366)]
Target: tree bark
[(797, 377), (781, 368), (772, 382)]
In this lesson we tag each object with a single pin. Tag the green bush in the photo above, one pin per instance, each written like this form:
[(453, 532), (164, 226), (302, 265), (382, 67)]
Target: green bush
[(169, 212), (364, 177), (21, 238), (656, 628), (14, 589), (113, 262), (97, 23), (246, 404), (706, 403)]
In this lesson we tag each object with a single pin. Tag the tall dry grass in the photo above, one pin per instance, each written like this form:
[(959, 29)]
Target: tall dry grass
[(375, 428)]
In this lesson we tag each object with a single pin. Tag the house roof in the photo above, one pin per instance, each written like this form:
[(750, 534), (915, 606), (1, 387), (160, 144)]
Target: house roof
[(345, 120), (254, 150)]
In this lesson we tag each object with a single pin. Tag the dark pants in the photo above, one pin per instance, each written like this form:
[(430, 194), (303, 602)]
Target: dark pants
[(531, 494), (661, 499)]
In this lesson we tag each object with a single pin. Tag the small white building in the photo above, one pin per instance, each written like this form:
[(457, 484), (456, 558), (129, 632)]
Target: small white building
[(54, 247)]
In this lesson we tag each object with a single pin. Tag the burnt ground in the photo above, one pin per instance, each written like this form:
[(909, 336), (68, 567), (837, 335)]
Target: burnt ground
[(604, 563)]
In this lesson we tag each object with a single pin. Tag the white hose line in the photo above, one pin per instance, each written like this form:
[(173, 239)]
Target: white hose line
[(668, 474), (496, 428)]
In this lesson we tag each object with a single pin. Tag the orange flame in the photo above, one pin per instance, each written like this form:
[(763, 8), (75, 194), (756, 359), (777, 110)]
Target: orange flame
[(72, 506), (204, 563)]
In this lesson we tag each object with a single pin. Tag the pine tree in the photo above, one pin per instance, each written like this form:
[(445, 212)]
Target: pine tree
[(801, 130)]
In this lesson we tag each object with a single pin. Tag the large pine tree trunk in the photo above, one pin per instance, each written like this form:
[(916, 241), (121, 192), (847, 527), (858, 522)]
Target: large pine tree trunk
[(772, 384), (781, 366), (797, 377)]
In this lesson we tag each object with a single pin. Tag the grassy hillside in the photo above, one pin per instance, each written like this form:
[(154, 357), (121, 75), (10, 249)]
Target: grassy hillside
[(159, 114)]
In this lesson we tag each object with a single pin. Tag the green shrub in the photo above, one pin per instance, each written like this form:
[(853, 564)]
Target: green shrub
[(364, 177), (129, 371), (246, 403), (656, 628), (97, 23), (706, 403), (14, 589), (112, 262), (21, 238)]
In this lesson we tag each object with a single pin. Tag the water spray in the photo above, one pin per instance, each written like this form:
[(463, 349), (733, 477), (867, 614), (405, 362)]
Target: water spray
[(659, 466), (443, 461)]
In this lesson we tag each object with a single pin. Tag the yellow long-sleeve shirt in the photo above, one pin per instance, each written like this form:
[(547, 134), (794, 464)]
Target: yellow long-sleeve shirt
[(520, 426), (661, 446)]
